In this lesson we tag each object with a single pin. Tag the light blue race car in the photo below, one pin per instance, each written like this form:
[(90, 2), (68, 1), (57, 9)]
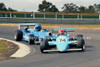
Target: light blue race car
[(62, 42), (32, 33)]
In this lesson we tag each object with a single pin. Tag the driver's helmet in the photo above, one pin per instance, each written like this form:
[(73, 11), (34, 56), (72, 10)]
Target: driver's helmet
[(26, 28), (38, 27), (61, 32)]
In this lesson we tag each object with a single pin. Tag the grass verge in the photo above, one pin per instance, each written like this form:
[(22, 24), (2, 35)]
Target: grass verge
[(7, 49), (89, 27)]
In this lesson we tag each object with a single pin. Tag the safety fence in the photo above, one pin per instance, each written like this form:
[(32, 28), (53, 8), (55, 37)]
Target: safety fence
[(49, 18), (48, 15), (51, 21)]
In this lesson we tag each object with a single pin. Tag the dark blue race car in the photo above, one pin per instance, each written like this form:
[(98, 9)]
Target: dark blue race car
[(32, 33)]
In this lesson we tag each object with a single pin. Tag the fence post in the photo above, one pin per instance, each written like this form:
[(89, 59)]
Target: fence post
[(34, 15), (56, 16), (62, 16), (25, 15), (78, 16), (10, 15), (44, 16), (81, 16)]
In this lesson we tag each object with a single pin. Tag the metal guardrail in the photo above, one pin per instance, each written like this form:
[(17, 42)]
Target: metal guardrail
[(49, 18), (50, 21), (48, 15)]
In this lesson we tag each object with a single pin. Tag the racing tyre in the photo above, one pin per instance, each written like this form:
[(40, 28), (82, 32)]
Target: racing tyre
[(31, 39), (79, 36), (83, 47), (44, 45), (37, 39), (80, 42), (48, 38), (18, 35)]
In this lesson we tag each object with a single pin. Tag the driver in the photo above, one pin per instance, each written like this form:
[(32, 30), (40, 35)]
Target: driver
[(27, 28), (38, 27), (61, 32)]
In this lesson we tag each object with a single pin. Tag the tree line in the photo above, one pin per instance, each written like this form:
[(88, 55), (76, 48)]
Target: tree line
[(3, 8), (73, 8), (66, 8)]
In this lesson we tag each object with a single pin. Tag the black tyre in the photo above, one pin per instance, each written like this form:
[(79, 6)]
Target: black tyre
[(79, 36), (37, 39), (44, 45), (48, 38), (31, 39), (18, 35), (80, 42)]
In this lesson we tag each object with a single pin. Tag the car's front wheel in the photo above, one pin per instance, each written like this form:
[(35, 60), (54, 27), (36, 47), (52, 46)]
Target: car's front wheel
[(80, 42), (83, 47), (44, 45), (31, 39)]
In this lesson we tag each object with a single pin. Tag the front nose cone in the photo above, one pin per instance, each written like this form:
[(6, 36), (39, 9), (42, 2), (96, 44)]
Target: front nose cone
[(62, 43), (62, 47)]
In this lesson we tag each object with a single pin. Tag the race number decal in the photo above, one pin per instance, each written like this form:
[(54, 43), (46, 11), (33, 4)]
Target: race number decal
[(62, 40)]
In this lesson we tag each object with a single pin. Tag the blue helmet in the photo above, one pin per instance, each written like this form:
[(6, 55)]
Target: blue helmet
[(38, 27)]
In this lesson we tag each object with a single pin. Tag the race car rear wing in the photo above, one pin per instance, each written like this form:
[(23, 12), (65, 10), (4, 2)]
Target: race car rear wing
[(26, 24), (65, 29)]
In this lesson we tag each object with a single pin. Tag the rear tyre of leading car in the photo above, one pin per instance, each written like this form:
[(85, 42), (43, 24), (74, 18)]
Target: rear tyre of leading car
[(18, 35)]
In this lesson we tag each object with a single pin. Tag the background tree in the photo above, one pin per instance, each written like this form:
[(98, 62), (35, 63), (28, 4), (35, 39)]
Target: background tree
[(82, 9), (3, 7), (53, 9), (70, 8), (97, 8), (47, 7), (10, 9), (90, 9)]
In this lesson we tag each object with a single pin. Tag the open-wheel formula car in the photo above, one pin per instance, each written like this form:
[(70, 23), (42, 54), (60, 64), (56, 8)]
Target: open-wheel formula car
[(31, 32), (62, 42)]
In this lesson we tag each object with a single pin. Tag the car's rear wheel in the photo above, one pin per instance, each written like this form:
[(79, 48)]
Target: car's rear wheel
[(31, 39), (18, 35)]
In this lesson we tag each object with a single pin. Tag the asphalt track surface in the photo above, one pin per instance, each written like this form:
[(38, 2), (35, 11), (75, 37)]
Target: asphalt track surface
[(89, 58)]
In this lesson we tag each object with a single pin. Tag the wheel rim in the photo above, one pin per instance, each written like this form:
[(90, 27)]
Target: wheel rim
[(15, 36), (83, 47), (29, 41)]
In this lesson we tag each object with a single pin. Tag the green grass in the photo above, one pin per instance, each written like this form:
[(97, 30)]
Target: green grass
[(3, 46)]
